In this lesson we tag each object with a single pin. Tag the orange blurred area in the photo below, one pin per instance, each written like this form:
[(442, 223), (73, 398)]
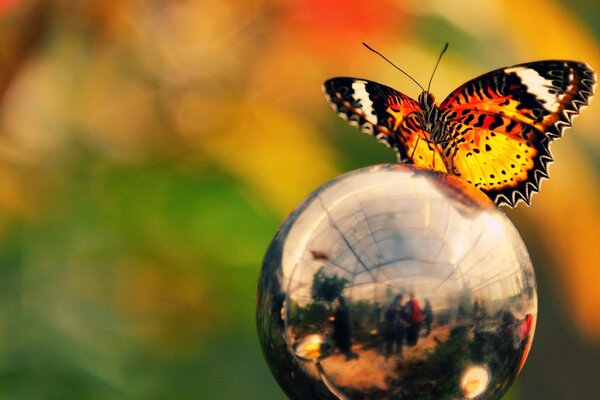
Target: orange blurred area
[(7, 5), (150, 149)]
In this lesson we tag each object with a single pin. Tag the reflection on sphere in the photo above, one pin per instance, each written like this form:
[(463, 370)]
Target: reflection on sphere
[(394, 283)]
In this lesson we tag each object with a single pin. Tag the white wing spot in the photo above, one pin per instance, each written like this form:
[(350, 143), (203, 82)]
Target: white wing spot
[(538, 86), (361, 94)]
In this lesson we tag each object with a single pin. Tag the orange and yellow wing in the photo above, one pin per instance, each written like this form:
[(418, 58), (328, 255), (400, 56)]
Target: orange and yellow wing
[(498, 127), (388, 115)]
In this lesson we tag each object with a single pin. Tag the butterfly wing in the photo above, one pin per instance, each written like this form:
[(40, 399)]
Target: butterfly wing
[(499, 126), (388, 115)]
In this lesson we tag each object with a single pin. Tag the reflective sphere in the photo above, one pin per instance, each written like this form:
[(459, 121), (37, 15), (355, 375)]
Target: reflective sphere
[(393, 282)]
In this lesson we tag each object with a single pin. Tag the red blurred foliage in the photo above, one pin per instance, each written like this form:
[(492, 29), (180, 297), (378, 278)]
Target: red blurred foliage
[(326, 26), (7, 5)]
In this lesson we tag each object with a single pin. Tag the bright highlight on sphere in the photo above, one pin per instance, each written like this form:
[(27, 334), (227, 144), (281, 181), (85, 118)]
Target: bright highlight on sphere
[(393, 282), (474, 381)]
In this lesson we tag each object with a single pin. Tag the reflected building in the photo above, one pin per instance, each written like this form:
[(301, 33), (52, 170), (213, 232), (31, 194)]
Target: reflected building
[(392, 241)]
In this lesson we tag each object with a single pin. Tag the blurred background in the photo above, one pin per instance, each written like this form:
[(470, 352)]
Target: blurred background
[(150, 149)]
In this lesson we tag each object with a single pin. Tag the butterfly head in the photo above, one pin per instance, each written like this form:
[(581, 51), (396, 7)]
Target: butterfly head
[(426, 100)]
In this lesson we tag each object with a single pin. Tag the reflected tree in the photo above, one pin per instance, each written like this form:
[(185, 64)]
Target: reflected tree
[(326, 287)]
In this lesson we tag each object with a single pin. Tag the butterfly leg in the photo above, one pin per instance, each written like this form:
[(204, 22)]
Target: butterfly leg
[(451, 166), (415, 148), (447, 145)]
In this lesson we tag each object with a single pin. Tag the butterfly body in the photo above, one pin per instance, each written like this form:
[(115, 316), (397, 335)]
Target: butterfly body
[(493, 131), (430, 113)]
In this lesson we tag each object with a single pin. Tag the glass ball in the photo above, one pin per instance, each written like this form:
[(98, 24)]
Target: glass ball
[(394, 282)]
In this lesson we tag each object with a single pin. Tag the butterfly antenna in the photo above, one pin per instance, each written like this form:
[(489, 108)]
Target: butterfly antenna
[(394, 65), (436, 65)]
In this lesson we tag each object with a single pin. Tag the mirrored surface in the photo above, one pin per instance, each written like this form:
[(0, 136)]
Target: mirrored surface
[(396, 283)]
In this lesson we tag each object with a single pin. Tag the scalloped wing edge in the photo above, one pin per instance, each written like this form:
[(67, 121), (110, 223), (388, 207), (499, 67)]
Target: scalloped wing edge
[(580, 101), (356, 117), (532, 186)]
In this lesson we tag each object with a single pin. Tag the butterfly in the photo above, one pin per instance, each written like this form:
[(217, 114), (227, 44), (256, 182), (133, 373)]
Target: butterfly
[(493, 131)]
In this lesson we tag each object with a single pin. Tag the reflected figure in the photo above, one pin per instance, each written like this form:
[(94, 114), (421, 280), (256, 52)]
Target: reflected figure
[(508, 338), (394, 329), (415, 319), (427, 317), (342, 329), (479, 310), (375, 315), (476, 310), (508, 323), (462, 312), (526, 327), (483, 314), (526, 336)]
